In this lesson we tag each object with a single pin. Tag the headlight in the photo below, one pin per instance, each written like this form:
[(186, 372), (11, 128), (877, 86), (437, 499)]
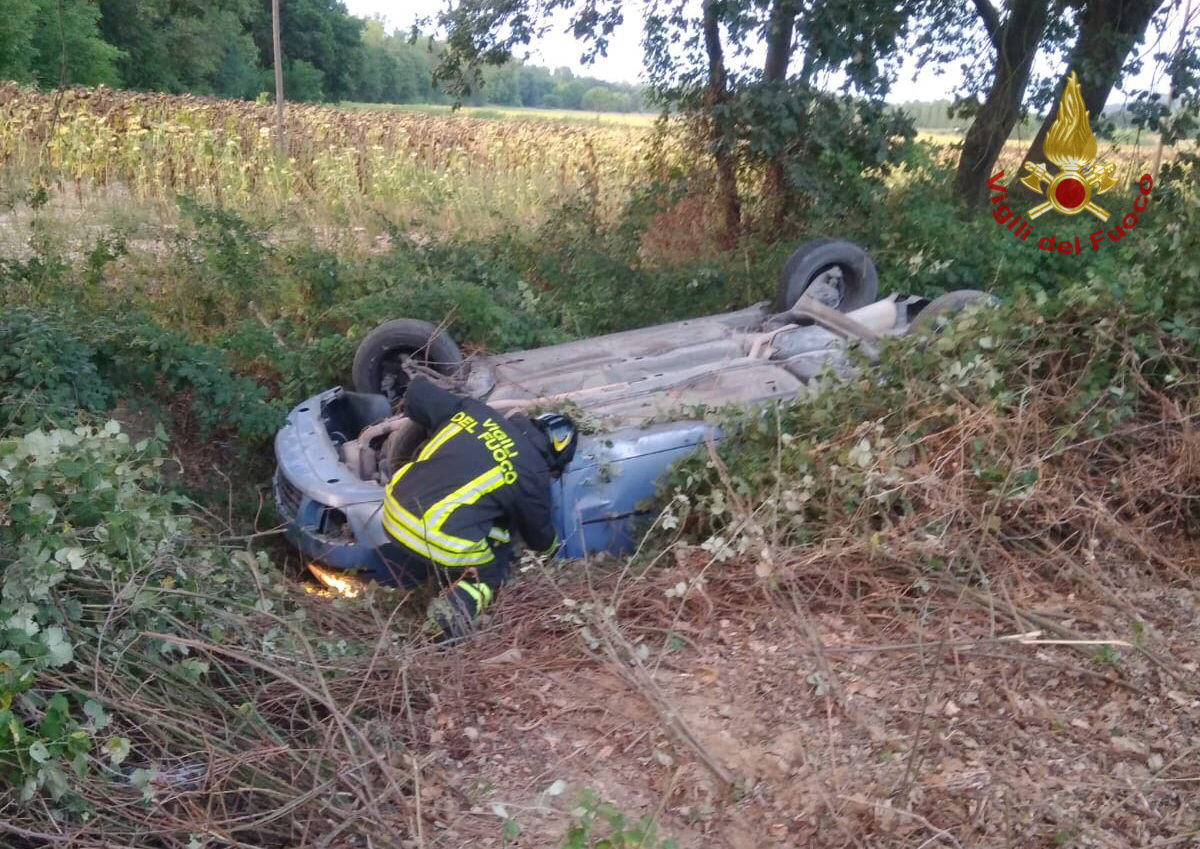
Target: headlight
[(338, 583)]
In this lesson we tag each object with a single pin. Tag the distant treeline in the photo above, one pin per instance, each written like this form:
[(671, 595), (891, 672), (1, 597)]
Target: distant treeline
[(933, 115), (223, 48)]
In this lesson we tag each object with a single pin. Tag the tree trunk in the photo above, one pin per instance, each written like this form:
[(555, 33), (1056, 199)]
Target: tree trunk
[(280, 142), (716, 95), (780, 29), (1016, 42), (1108, 30)]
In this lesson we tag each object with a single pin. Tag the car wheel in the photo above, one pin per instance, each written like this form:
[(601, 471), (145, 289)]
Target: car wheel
[(838, 274), (943, 308), (379, 361)]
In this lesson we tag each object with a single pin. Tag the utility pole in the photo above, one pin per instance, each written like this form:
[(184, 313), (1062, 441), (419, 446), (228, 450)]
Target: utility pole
[(279, 140)]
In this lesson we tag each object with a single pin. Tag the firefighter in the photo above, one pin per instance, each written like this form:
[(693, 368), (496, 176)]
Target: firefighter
[(451, 511)]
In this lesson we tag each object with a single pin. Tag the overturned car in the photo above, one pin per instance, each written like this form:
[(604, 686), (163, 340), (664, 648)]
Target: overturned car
[(638, 389)]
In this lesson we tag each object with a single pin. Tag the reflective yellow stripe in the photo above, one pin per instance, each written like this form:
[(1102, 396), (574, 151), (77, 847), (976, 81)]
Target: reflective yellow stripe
[(399, 474), (487, 594), (437, 555), (423, 529), (551, 548), (473, 591), (423, 534), (490, 480), (438, 441)]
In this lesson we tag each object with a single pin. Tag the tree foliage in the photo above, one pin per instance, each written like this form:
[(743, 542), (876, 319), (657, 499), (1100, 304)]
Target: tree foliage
[(811, 115), (223, 48)]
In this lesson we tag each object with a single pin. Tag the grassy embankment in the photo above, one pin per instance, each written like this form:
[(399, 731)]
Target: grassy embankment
[(799, 651)]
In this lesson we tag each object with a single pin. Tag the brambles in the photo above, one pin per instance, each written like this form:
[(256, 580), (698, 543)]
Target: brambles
[(54, 365), (993, 434), (48, 374), (146, 667)]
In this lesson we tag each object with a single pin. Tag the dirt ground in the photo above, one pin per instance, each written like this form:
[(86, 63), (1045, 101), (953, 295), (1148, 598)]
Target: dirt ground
[(758, 717)]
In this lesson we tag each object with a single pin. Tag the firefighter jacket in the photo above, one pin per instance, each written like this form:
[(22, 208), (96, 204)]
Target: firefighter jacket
[(479, 477)]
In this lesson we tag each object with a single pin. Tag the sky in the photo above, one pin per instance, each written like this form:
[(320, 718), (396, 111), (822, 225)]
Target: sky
[(624, 60)]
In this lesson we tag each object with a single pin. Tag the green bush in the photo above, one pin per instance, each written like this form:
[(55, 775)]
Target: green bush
[(47, 373), (1076, 369), (94, 553)]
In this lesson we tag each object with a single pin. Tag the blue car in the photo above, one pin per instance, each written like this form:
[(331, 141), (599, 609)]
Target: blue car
[(637, 393)]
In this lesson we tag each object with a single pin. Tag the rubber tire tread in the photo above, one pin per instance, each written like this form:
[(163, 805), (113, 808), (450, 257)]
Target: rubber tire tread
[(401, 335), (858, 273), (948, 304)]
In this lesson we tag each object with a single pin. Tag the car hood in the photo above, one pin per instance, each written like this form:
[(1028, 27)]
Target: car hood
[(309, 460)]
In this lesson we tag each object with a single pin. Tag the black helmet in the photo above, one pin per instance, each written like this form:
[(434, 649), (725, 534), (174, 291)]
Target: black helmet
[(562, 436)]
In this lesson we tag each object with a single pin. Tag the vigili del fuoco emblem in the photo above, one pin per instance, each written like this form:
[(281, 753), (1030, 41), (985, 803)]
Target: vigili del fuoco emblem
[(1071, 146)]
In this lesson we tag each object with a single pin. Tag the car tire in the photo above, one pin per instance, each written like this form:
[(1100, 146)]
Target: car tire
[(858, 284), (377, 361), (944, 307)]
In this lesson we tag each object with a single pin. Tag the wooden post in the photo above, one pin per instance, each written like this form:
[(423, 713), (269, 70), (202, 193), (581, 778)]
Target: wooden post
[(279, 139)]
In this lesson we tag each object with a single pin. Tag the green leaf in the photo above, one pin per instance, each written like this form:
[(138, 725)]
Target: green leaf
[(95, 713), (39, 752), (143, 779), (54, 780), (60, 650), (117, 749)]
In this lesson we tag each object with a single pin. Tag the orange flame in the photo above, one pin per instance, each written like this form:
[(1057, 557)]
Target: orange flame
[(1070, 144)]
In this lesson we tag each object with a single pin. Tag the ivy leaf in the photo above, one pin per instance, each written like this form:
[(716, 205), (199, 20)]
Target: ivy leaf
[(71, 556), (95, 712), (117, 749), (39, 752), (58, 646)]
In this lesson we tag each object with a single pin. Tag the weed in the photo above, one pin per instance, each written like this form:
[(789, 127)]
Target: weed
[(595, 824)]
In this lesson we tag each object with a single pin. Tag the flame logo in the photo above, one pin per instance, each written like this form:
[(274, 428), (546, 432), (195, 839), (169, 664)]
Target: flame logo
[(1071, 146)]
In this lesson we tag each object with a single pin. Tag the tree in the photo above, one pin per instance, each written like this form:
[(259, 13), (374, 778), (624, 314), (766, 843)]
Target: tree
[(1015, 39), (758, 117), (67, 38), (715, 103), (535, 84), (319, 33), (175, 46), (597, 99), (570, 93), (1102, 32), (16, 40), (1108, 31)]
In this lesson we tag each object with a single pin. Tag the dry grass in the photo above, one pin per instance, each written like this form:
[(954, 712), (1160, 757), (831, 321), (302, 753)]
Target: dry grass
[(1038, 689), (1133, 158)]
